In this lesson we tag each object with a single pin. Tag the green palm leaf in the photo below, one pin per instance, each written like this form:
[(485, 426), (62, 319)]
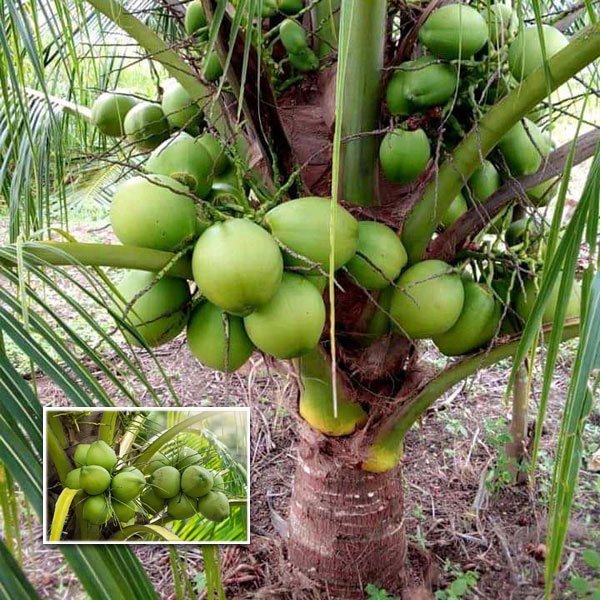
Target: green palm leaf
[(13, 582), (109, 572)]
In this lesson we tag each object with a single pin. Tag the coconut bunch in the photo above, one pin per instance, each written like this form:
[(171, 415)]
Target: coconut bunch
[(459, 48), (258, 275), (146, 124), (107, 493), (184, 487), (260, 282)]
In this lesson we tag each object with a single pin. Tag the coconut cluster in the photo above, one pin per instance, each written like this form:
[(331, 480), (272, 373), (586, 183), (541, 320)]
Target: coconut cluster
[(260, 275), (464, 45), (184, 488), (108, 492)]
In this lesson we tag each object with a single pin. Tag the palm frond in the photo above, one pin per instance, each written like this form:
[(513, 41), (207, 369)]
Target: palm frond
[(13, 582), (584, 379)]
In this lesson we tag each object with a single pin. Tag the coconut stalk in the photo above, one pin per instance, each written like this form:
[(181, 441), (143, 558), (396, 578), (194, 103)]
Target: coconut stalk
[(391, 431), (515, 449), (338, 510), (439, 194), (106, 255), (326, 20), (364, 25)]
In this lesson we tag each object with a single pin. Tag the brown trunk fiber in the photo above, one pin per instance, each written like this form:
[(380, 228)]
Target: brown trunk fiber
[(346, 525)]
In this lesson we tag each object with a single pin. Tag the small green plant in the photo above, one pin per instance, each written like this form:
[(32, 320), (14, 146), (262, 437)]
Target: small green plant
[(375, 593), (588, 588), (462, 584), (455, 426), (497, 437)]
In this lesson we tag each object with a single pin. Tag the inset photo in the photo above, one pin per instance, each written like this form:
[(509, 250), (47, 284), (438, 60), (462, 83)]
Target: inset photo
[(146, 475)]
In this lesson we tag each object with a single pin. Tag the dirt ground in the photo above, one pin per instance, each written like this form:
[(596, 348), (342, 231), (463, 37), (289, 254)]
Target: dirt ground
[(460, 515), (457, 508)]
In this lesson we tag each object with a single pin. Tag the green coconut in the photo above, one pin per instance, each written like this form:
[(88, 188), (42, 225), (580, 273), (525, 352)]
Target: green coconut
[(160, 311), (196, 481), (379, 258), (430, 82), (525, 54), (502, 23), (181, 110), (182, 159), (109, 111), (127, 485), (303, 226), (214, 147), (186, 457), (455, 211), (72, 480), (484, 182), (123, 511), (419, 84), (181, 507), (396, 95), (224, 192), (237, 265), (158, 460), (528, 293), (213, 69), (214, 506), (146, 125), (293, 36), (304, 61), (290, 7), (523, 231), (80, 456), (454, 31), (195, 17), (543, 193), (94, 479), (477, 324), (291, 323), (166, 482), (316, 399), (151, 502), (523, 148), (218, 340), (218, 482), (319, 281), (403, 155), (428, 299), (154, 211), (101, 454), (269, 8), (96, 510)]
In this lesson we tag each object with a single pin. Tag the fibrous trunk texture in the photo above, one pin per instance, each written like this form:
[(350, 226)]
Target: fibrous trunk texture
[(346, 525)]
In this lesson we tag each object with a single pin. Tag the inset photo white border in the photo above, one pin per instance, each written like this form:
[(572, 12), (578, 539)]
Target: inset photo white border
[(47, 410)]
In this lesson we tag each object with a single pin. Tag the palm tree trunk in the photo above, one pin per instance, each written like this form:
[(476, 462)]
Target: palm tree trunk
[(346, 525)]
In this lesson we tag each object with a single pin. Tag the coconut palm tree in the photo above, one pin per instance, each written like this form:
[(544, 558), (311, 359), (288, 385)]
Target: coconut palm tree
[(301, 111)]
